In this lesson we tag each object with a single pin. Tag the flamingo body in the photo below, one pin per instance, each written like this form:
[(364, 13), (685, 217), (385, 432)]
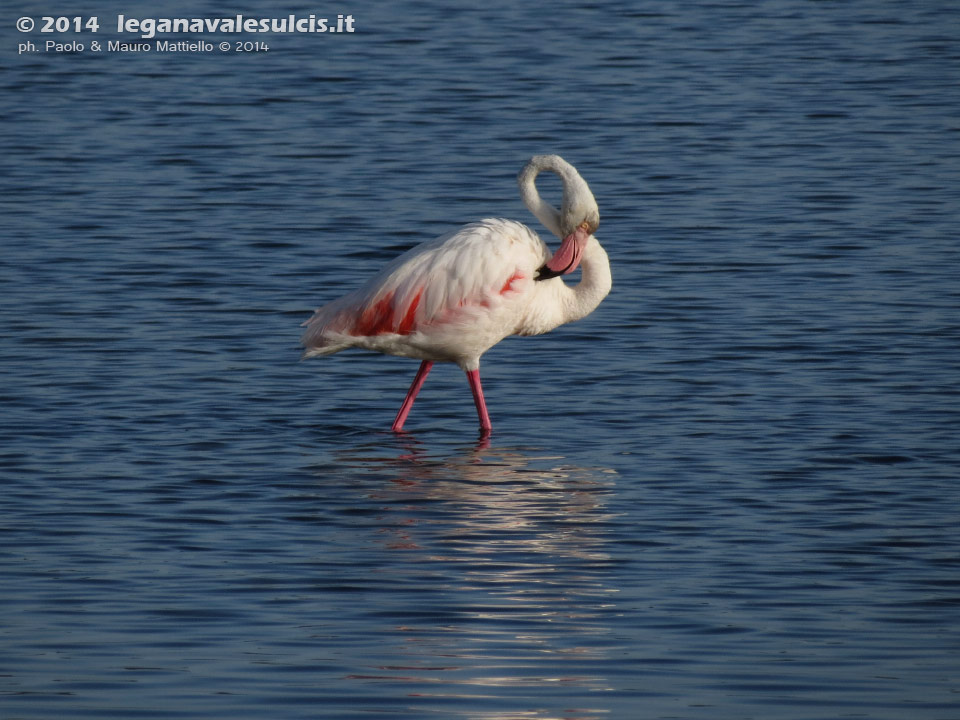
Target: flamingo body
[(453, 298)]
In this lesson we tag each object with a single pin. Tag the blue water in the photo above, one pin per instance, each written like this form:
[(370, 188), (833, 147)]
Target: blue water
[(731, 492)]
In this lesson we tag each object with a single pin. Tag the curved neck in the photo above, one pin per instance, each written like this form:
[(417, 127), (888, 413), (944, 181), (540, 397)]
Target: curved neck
[(578, 210), (544, 211), (595, 282)]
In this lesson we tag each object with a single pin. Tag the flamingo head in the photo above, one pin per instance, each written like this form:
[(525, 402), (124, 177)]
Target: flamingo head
[(579, 219)]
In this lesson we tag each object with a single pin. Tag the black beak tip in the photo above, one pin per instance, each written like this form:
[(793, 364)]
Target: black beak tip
[(545, 273)]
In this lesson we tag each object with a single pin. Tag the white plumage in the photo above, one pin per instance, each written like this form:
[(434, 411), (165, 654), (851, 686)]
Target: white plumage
[(453, 298)]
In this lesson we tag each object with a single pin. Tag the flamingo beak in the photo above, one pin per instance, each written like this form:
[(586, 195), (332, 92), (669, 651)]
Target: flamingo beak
[(567, 257)]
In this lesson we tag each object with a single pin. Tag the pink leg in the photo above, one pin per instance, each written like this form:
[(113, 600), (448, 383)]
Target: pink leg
[(411, 395), (474, 377)]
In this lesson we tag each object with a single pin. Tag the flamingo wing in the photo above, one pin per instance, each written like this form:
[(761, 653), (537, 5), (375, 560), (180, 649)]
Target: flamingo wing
[(448, 280)]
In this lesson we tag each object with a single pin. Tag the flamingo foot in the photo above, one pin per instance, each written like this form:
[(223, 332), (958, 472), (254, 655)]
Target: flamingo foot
[(411, 395)]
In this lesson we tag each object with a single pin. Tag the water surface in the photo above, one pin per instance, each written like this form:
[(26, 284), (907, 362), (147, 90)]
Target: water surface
[(731, 492)]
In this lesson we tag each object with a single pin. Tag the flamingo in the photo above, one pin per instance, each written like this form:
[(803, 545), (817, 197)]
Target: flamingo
[(453, 298)]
